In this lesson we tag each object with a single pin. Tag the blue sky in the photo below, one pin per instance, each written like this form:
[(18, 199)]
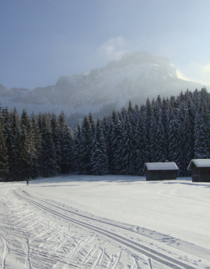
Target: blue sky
[(44, 39)]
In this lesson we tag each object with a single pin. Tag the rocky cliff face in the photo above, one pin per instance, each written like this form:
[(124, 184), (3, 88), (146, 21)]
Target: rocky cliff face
[(134, 77)]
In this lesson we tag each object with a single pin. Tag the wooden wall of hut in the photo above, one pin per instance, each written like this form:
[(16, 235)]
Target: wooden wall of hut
[(160, 175)]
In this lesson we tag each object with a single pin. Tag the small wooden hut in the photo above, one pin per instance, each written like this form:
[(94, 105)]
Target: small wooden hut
[(200, 170), (160, 171)]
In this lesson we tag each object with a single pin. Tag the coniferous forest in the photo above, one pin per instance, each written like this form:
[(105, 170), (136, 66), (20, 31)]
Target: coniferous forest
[(173, 129)]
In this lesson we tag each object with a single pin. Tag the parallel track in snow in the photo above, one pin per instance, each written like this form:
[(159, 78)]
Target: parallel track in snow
[(150, 253), (5, 251)]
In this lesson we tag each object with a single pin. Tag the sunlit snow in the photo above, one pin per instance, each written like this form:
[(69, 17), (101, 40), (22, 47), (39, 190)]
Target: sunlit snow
[(79, 221)]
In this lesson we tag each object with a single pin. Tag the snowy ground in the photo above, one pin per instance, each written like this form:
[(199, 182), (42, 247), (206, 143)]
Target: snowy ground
[(105, 222)]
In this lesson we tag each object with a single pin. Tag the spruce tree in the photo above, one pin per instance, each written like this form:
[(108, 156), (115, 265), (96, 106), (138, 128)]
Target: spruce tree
[(92, 124), (27, 147), (56, 140), (149, 115), (4, 164), (48, 154), (14, 152), (141, 148), (115, 150), (173, 137), (66, 144), (127, 149), (77, 150), (99, 159), (107, 126), (188, 139), (153, 138), (35, 167), (202, 133), (87, 143), (182, 156)]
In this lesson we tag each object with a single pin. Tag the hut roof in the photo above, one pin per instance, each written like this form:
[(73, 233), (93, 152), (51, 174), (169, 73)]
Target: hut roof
[(199, 163), (161, 166)]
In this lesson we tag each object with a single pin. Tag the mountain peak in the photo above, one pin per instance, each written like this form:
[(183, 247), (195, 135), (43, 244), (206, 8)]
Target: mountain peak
[(139, 57), (135, 76)]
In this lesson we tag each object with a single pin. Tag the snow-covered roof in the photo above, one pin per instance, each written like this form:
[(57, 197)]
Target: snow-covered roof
[(199, 163), (161, 166)]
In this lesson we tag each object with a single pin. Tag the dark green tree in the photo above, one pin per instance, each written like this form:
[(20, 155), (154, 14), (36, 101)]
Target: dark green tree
[(99, 159), (66, 144), (4, 164), (77, 150), (87, 144)]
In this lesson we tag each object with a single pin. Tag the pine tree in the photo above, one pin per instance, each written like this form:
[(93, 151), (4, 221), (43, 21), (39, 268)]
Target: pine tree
[(27, 147), (4, 164), (127, 149), (188, 138), (99, 159), (56, 140), (7, 131), (77, 150), (153, 138), (149, 115), (202, 133), (174, 138), (181, 159), (35, 167), (92, 124), (48, 155), (161, 141), (141, 148), (165, 111), (87, 143), (14, 152), (66, 143), (107, 126), (115, 150)]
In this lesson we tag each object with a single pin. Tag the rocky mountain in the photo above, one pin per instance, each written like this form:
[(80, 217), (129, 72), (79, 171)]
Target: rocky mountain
[(134, 77)]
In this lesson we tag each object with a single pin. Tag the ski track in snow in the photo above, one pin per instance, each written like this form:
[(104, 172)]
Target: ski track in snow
[(171, 241), (40, 234), (181, 245), (150, 263), (5, 251)]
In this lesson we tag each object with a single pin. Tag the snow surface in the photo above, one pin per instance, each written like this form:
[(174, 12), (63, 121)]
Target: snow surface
[(79, 221)]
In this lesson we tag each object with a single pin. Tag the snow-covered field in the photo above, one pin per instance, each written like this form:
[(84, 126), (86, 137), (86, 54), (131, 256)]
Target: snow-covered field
[(105, 222)]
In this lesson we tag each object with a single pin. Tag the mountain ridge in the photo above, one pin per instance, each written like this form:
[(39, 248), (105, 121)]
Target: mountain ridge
[(134, 77)]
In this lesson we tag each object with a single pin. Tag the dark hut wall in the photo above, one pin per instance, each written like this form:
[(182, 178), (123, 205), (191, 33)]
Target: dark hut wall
[(160, 174), (201, 174)]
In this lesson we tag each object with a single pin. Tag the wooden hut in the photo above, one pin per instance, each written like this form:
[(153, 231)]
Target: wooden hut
[(200, 170), (160, 171)]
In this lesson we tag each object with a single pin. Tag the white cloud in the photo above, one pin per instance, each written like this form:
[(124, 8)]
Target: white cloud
[(205, 74), (181, 76), (113, 48), (196, 72)]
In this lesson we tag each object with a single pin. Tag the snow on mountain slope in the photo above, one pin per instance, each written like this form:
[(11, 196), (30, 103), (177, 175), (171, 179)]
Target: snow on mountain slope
[(134, 77)]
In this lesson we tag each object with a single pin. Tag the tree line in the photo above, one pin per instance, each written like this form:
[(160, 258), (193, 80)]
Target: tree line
[(173, 129), (33, 146)]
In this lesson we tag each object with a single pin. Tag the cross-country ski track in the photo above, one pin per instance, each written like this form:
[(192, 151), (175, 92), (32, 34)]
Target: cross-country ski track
[(41, 233)]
